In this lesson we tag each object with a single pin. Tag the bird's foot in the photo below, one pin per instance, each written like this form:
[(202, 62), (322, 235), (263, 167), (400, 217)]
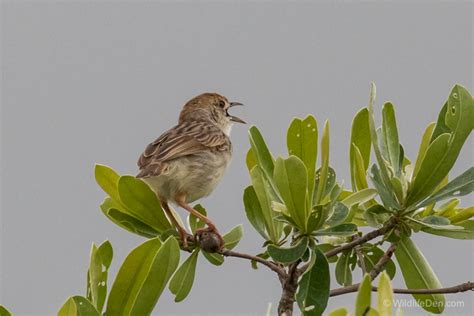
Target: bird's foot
[(209, 239), (185, 237)]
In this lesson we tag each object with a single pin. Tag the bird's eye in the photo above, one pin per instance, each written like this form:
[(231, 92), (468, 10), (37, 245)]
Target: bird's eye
[(222, 104)]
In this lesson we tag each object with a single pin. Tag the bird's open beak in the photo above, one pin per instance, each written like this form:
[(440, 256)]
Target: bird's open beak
[(235, 118)]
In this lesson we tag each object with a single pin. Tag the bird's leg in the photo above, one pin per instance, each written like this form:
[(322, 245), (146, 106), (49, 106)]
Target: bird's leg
[(180, 200), (183, 234)]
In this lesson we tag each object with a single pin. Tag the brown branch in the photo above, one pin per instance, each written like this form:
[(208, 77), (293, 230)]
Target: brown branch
[(229, 253), (378, 267), (365, 238), (289, 286), (357, 241), (463, 287)]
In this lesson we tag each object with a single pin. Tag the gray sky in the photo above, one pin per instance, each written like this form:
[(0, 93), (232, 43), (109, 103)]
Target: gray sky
[(96, 81)]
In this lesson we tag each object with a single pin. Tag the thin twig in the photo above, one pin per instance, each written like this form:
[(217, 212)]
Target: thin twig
[(463, 287), (359, 241), (378, 267), (229, 253), (360, 258), (356, 242)]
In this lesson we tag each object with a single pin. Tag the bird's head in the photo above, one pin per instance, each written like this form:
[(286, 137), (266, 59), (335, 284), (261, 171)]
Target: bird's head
[(210, 107)]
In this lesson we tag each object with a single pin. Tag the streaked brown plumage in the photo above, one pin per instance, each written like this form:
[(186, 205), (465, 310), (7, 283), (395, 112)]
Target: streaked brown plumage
[(187, 161)]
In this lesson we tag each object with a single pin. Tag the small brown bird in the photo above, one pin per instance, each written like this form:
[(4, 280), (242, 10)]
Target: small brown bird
[(187, 162)]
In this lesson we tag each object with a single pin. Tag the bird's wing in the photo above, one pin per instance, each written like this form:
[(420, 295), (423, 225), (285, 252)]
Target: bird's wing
[(182, 140)]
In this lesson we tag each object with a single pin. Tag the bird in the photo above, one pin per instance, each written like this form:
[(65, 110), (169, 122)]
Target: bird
[(187, 162)]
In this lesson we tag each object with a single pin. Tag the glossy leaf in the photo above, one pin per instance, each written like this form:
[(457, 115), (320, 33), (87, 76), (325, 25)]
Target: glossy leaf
[(347, 229), (358, 171), (261, 187), (4, 311), (328, 188), (454, 125), (377, 143), (142, 277), (313, 289), (253, 210), (183, 279), (100, 260), (363, 297), (466, 231), (385, 295), (302, 141), (359, 150), (194, 222), (291, 180), (324, 163), (388, 199), (261, 152), (214, 258), (372, 255), (460, 186), (142, 202), (232, 238), (125, 220), (418, 274), (250, 160), (339, 312), (108, 179), (359, 197), (288, 255), (339, 214), (77, 306), (343, 270), (425, 142), (462, 215), (390, 136)]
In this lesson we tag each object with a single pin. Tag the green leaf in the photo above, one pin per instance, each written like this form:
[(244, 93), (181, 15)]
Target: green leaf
[(313, 289), (359, 150), (142, 202), (261, 187), (126, 221), (329, 187), (347, 229), (194, 222), (254, 212), (76, 306), (343, 271), (232, 238), (454, 125), (108, 179), (261, 152), (324, 163), (467, 231), (462, 215), (183, 279), (358, 171), (363, 297), (425, 142), (302, 141), (377, 143), (460, 186), (385, 193), (100, 259), (390, 134), (435, 222), (250, 159), (338, 215), (372, 255), (339, 312), (385, 295), (4, 311), (214, 258), (288, 255), (418, 274), (359, 197), (291, 180), (142, 277)]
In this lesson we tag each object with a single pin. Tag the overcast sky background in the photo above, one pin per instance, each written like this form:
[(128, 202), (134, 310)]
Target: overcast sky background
[(96, 81)]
